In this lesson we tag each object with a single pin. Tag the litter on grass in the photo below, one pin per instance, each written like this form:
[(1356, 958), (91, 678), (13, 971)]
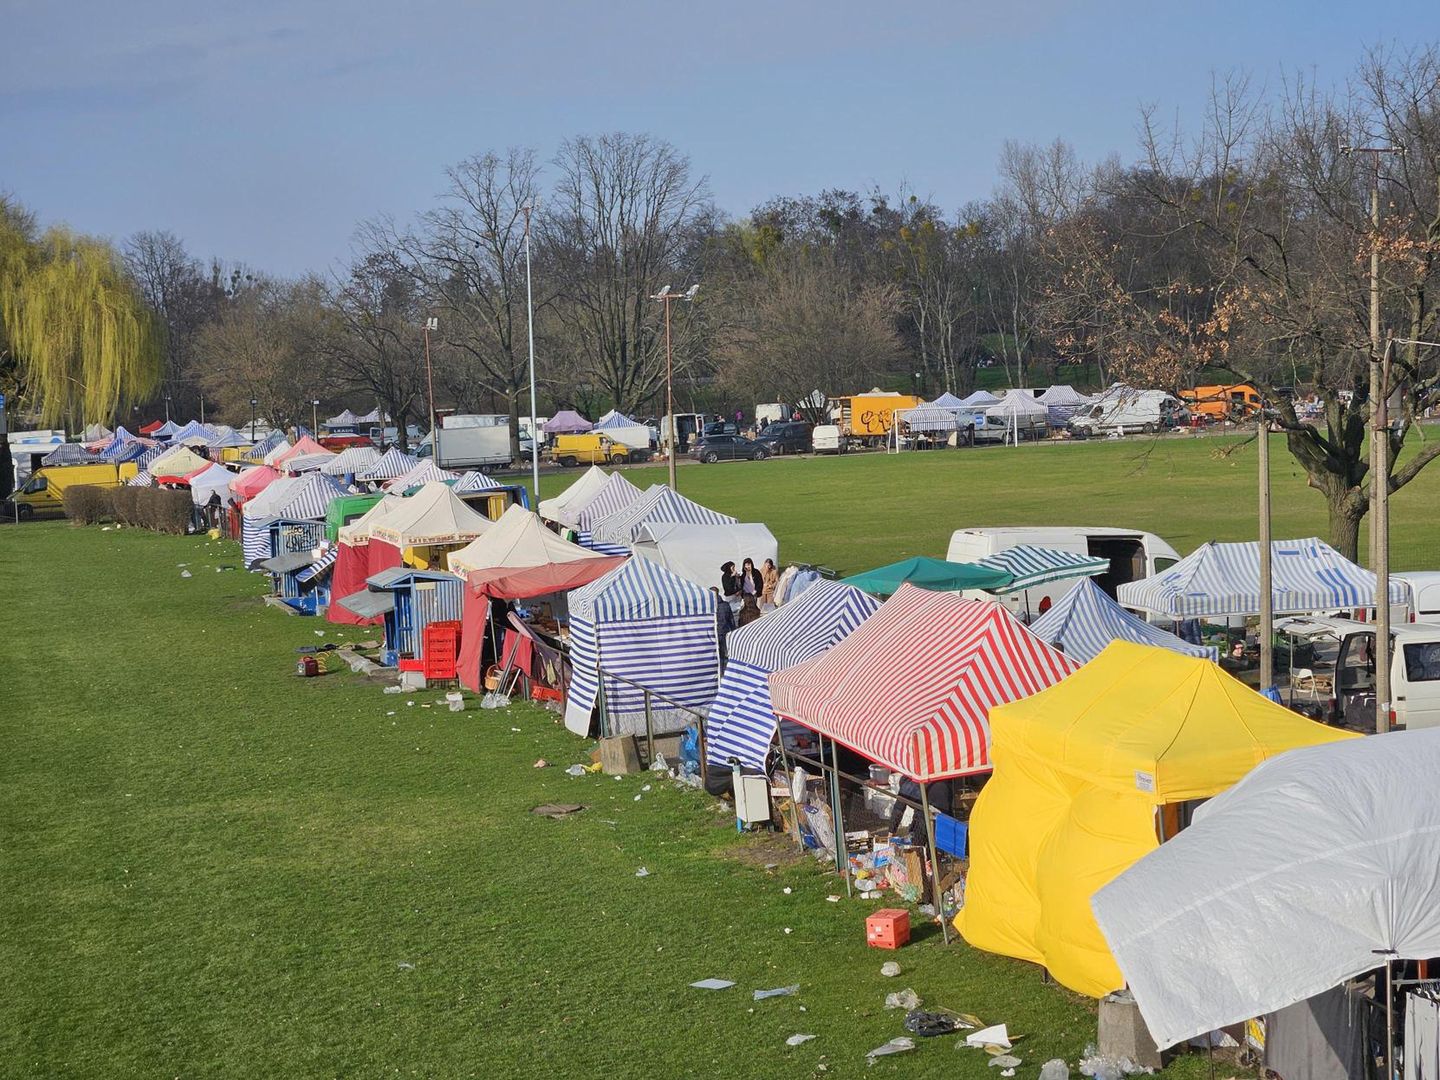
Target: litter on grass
[(894, 1046), (713, 984), (796, 1040), (642, 872), (779, 991), (557, 810), (995, 1035), (1055, 1069), (930, 1024), (890, 969), (1004, 1061), (905, 999)]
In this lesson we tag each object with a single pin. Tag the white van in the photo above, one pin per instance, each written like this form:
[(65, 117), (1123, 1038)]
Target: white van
[(1133, 555), (1128, 411), (826, 439), (1343, 676), (1423, 588)]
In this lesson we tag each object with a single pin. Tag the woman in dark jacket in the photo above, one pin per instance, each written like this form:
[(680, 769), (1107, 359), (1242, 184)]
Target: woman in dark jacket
[(752, 582), (729, 581)]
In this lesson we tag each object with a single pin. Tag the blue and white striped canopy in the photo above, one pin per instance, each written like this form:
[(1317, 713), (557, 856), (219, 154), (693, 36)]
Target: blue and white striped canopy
[(150, 454), (230, 438), (658, 503), (194, 429), (1036, 565), (613, 420), (125, 448), (1224, 579), (1083, 621), (981, 398), (615, 495), (310, 497), (318, 567), (264, 446), (928, 418), (351, 460), (650, 627), (473, 481), (141, 479), (165, 430), (392, 464), (741, 723), (68, 454)]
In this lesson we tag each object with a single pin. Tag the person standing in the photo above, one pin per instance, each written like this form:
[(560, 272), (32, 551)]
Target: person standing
[(752, 583), (730, 586), (770, 576)]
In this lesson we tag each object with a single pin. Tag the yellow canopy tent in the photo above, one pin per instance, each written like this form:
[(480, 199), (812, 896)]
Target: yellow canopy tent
[(181, 461), (1089, 775)]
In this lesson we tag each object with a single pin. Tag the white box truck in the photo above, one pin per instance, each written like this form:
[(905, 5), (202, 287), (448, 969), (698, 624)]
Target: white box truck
[(1133, 555), (473, 441), (1124, 411)]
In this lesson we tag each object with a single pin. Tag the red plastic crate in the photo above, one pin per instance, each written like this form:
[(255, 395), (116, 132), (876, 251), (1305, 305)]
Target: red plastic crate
[(441, 650), (888, 928)]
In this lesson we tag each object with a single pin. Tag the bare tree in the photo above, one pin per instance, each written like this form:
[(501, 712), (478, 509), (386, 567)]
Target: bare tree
[(809, 326), (264, 346), (466, 257), (624, 220), (378, 346)]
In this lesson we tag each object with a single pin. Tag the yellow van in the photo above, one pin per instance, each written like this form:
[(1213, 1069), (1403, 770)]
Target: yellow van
[(45, 490), (594, 448)]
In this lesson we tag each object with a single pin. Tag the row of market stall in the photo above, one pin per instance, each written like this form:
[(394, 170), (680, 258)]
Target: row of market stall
[(1012, 772)]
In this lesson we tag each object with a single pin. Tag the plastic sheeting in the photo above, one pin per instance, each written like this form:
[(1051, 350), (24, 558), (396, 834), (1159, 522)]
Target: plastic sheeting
[(1079, 772), (1297, 879)]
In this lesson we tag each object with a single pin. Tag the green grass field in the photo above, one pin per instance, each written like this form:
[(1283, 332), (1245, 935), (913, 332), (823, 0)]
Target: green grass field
[(865, 510), (212, 868)]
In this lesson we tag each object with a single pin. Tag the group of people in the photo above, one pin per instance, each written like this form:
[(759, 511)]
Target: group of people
[(744, 595)]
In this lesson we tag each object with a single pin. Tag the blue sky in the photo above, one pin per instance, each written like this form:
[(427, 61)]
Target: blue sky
[(263, 131)]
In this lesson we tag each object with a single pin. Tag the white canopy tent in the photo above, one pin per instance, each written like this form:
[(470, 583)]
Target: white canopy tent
[(1319, 865), (565, 508), (517, 539), (696, 552), (214, 480), (433, 515), (1021, 412)]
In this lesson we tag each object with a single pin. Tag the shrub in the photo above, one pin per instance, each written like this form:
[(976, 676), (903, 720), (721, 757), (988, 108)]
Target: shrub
[(126, 505), (87, 504), (165, 511)]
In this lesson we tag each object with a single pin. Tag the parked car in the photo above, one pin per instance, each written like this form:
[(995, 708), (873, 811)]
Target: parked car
[(728, 448), (786, 437), (722, 427), (826, 439)]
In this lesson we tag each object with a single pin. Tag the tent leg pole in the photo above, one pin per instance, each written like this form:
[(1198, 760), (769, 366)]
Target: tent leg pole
[(837, 821), (934, 862), (1389, 1018), (790, 783), (649, 730)]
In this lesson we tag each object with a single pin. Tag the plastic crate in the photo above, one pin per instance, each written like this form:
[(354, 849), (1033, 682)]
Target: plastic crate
[(440, 650), (888, 928)]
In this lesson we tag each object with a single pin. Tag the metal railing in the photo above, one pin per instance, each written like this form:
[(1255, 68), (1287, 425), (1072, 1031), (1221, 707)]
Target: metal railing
[(649, 697)]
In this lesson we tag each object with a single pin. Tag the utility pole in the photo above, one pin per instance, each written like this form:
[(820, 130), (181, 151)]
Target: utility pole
[(1379, 448), (1267, 596), (530, 327), (431, 323), (315, 417), (665, 296)]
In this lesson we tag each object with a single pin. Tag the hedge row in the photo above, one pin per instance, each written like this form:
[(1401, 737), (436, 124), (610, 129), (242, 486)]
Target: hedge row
[(147, 508)]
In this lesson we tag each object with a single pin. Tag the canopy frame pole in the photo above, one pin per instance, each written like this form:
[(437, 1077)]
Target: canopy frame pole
[(1389, 1013), (790, 782), (837, 821), (934, 852)]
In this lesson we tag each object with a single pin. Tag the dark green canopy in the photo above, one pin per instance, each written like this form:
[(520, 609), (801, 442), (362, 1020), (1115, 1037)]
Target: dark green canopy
[(927, 573)]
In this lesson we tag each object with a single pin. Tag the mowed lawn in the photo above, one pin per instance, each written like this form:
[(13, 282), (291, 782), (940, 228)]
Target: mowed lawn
[(864, 510), (210, 867)]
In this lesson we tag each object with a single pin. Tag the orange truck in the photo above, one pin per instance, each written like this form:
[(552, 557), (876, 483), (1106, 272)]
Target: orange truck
[(1222, 402), (872, 415)]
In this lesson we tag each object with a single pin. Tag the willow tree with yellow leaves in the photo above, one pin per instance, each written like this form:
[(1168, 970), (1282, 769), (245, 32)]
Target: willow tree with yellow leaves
[(77, 336)]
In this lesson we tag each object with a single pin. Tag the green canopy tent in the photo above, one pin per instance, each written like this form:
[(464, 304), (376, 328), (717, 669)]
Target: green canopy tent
[(937, 575)]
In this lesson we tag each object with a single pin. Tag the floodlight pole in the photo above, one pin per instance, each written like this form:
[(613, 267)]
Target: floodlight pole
[(431, 323), (253, 403), (314, 417), (530, 328)]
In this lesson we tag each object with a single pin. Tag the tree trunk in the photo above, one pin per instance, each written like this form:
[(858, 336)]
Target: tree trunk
[(1346, 513), (513, 400), (402, 437)]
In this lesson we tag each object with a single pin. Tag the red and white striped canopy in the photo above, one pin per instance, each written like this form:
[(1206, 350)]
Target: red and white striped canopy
[(912, 687)]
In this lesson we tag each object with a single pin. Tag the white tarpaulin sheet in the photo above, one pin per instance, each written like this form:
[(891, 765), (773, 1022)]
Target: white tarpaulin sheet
[(696, 552), (1301, 876)]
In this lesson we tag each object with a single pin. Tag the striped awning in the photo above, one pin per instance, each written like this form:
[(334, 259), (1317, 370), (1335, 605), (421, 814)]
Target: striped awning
[(352, 460), (68, 454), (1036, 565), (141, 479), (741, 722), (319, 567), (394, 462), (658, 503), (473, 481), (616, 494), (1085, 620), (927, 418), (194, 430), (1224, 579), (654, 630), (309, 497), (423, 472), (912, 687)]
